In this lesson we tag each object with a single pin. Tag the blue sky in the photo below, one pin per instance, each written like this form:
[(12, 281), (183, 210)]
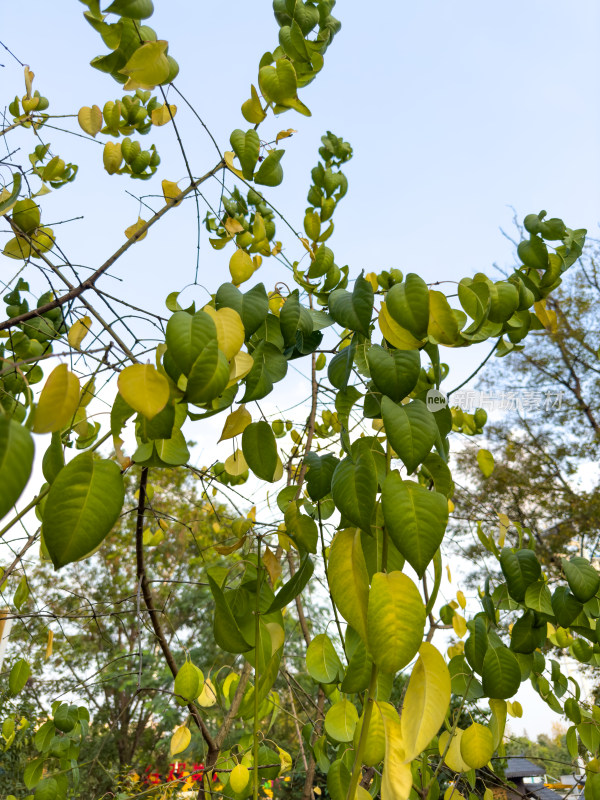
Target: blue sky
[(457, 110)]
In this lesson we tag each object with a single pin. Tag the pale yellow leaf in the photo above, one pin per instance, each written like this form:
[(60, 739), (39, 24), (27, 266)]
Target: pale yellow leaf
[(147, 67), (372, 278), (396, 334), (239, 366), (236, 423), (426, 701), (29, 76), (284, 134), (78, 331), (49, 645), (462, 602), (228, 155), (58, 401), (144, 389), (236, 463), (160, 116), (448, 573), (285, 760), (241, 267), (180, 740), (459, 624), (453, 757), (90, 120), (396, 781), (232, 226), (477, 745), (226, 550), (230, 329), (239, 777), (450, 506), (208, 695), (133, 229)]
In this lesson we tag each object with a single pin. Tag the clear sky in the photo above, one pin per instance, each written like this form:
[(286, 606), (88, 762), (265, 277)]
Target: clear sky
[(456, 109)]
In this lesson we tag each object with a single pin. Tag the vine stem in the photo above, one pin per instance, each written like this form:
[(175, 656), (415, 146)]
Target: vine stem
[(256, 657), (364, 733)]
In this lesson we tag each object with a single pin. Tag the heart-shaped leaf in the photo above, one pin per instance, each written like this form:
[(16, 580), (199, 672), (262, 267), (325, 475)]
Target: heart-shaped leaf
[(411, 430), (278, 83), (415, 519), (353, 310), (394, 372), (246, 146), (270, 172), (408, 304)]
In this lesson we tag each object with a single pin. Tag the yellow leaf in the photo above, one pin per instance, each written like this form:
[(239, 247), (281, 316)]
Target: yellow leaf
[(29, 76), (208, 695), (232, 226), (236, 423), (396, 334), (230, 330), (180, 740), (275, 303), (239, 366), (546, 316), (49, 645), (133, 229), (160, 116), (241, 266), (277, 635), (461, 599), (459, 624), (226, 550), (442, 326), (58, 401), (450, 506), (228, 155), (452, 793), (252, 110), (285, 760), (236, 464), (453, 757), (426, 701), (477, 745), (504, 525), (144, 389), (147, 67), (486, 462), (239, 777), (78, 332), (272, 565), (372, 278), (170, 191), (396, 781), (112, 157), (90, 120), (456, 649), (449, 573), (284, 134)]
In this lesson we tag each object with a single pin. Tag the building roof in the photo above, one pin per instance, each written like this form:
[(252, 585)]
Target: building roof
[(522, 768), (542, 792)]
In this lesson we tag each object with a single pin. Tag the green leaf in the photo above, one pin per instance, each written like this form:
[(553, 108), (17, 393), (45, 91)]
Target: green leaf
[(246, 146), (443, 327), (187, 335), (319, 473), (411, 430), (301, 528), (34, 770), (187, 683), (415, 519), (322, 262), (537, 597), (565, 606), (294, 586), (464, 683), (477, 643), (270, 366), (18, 676), (260, 450), (47, 789), (252, 306), (340, 366), (82, 506), (209, 375), (408, 304), (504, 301), (226, 630), (270, 172), (358, 673), (394, 372), (147, 66), (21, 594), (582, 578), (322, 662), (348, 579), (134, 9), (501, 673), (533, 253), (527, 634), (353, 310), (354, 489), (338, 780), (8, 202), (519, 569), (278, 83), (16, 462), (395, 620), (341, 720)]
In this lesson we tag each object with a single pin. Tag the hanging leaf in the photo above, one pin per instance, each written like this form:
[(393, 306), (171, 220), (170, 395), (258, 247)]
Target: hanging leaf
[(583, 579), (58, 401), (78, 331), (18, 676), (395, 620), (426, 701), (239, 777), (396, 781), (354, 488), (187, 683), (452, 757), (81, 508), (294, 586), (260, 450), (252, 109), (415, 519), (16, 462), (477, 745), (90, 120), (162, 115), (144, 389), (246, 146), (520, 569), (348, 579), (133, 229), (411, 430), (148, 66), (501, 673), (322, 662), (408, 304), (486, 462), (226, 630), (236, 423), (270, 172), (374, 749), (180, 740), (340, 721)]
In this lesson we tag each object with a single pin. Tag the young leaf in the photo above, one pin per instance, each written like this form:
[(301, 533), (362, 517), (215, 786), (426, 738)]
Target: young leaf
[(81, 508)]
